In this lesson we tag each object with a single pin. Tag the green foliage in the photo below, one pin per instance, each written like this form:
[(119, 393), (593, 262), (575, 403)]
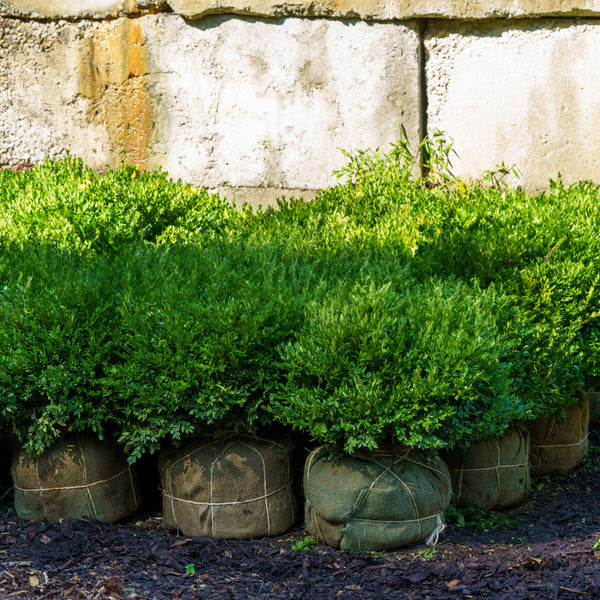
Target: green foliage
[(420, 310), (426, 366), (198, 333), (475, 517), (65, 203), (427, 553), (56, 326), (305, 543)]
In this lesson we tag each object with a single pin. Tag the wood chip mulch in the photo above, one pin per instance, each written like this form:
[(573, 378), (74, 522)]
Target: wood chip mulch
[(548, 553)]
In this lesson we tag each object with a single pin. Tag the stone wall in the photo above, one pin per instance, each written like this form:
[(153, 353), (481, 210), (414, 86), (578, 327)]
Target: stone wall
[(259, 97)]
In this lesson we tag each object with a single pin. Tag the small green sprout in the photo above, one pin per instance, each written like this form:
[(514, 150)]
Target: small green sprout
[(304, 543)]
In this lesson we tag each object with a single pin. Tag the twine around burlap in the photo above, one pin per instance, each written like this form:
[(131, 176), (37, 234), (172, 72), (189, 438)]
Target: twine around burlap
[(375, 501), (78, 476), (491, 473), (238, 487), (558, 446)]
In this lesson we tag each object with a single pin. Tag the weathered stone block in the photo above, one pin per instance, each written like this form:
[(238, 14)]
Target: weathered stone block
[(364, 9), (73, 86), (250, 103), (222, 102), (392, 9), (525, 95)]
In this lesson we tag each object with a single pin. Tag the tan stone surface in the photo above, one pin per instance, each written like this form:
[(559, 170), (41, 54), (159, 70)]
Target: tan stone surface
[(391, 9), (366, 9), (527, 96), (69, 9), (73, 86), (227, 102)]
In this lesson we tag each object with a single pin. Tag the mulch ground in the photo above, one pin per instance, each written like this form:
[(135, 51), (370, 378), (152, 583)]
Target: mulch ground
[(547, 553)]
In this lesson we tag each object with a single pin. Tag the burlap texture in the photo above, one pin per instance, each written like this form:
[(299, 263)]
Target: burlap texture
[(492, 473), (79, 476), (558, 446), (593, 399), (238, 487), (375, 501)]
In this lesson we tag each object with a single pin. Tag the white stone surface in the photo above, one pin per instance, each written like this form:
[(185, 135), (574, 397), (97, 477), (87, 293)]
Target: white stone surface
[(225, 102), (527, 94), (251, 103), (42, 112)]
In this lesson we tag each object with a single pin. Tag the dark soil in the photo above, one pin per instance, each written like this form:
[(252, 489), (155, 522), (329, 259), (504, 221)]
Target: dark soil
[(548, 552)]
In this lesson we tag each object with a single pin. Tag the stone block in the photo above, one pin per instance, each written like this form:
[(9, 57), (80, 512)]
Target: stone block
[(247, 103), (74, 87), (392, 9), (364, 9), (525, 93), (231, 102)]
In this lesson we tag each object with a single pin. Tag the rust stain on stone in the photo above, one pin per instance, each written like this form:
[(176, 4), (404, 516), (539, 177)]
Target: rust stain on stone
[(112, 76)]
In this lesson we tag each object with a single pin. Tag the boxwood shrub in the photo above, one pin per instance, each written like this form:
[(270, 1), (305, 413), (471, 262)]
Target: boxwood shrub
[(67, 204), (425, 311), (426, 365), (57, 325)]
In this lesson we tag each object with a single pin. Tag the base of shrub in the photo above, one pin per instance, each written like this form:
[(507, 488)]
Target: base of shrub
[(375, 501), (234, 488), (557, 446), (491, 473), (78, 476)]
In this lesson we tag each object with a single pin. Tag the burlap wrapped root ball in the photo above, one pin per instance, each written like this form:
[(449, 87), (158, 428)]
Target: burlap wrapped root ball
[(491, 473), (239, 487), (559, 445), (79, 476), (374, 501)]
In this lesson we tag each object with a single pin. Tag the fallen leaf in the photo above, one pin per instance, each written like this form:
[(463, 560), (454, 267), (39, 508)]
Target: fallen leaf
[(530, 561), (34, 581)]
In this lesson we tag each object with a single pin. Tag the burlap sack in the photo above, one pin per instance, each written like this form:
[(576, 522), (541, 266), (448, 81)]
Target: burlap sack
[(79, 476), (558, 446), (492, 473), (238, 487), (375, 500)]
